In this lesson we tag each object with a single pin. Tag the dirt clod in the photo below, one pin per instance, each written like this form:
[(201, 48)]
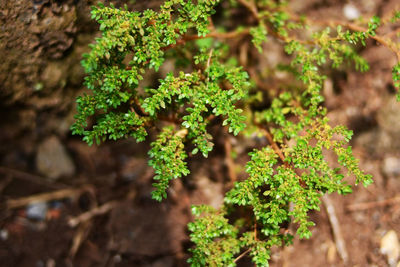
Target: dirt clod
[(52, 159)]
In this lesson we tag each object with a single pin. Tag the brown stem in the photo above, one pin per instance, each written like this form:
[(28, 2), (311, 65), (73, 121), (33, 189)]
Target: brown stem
[(21, 175), (221, 35), (373, 204), (242, 255), (137, 104), (273, 144), (279, 152), (87, 216), (251, 6), (186, 38), (355, 27), (255, 230)]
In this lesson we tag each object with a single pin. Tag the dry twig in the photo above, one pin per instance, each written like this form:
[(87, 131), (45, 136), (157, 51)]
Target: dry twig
[(30, 178), (251, 6), (44, 197), (337, 233), (79, 237), (6, 181), (373, 204), (85, 217), (242, 255), (100, 210)]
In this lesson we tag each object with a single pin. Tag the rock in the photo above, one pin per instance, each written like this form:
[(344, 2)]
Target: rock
[(37, 211), (329, 94), (76, 74), (52, 159), (3, 234), (383, 140), (391, 166), (54, 74), (209, 192), (390, 247), (133, 168), (388, 116), (377, 142), (331, 253), (351, 12), (274, 58)]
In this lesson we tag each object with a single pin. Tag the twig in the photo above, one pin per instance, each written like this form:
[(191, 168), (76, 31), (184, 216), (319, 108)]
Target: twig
[(221, 35), (242, 255), (44, 197), (274, 145), (5, 183), (255, 231), (79, 237), (373, 204), (378, 38), (243, 54), (85, 217), (354, 27), (186, 38), (337, 233), (30, 178), (209, 58), (251, 7), (259, 83), (279, 152)]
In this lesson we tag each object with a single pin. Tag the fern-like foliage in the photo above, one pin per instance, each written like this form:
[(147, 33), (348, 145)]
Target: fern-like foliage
[(287, 177), (167, 158)]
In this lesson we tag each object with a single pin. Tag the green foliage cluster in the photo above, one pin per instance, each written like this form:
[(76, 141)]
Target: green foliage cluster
[(167, 158), (287, 177)]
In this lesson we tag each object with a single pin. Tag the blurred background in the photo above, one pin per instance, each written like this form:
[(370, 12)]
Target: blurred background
[(64, 203)]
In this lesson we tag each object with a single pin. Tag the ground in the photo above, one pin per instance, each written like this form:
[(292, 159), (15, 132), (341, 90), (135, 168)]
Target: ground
[(42, 42)]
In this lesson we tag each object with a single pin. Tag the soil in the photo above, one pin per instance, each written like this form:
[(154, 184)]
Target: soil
[(41, 43)]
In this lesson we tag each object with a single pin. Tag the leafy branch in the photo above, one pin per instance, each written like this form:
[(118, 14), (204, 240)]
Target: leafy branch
[(289, 174)]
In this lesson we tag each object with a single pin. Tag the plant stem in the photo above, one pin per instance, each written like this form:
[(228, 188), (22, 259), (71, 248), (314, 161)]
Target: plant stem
[(242, 255)]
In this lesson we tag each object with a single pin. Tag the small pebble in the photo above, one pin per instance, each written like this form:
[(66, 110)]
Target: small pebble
[(50, 263), (390, 247), (53, 160), (117, 258), (37, 211), (351, 12), (391, 166), (3, 234)]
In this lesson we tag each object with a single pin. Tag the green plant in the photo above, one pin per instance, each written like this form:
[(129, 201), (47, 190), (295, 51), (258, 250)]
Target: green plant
[(287, 177)]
